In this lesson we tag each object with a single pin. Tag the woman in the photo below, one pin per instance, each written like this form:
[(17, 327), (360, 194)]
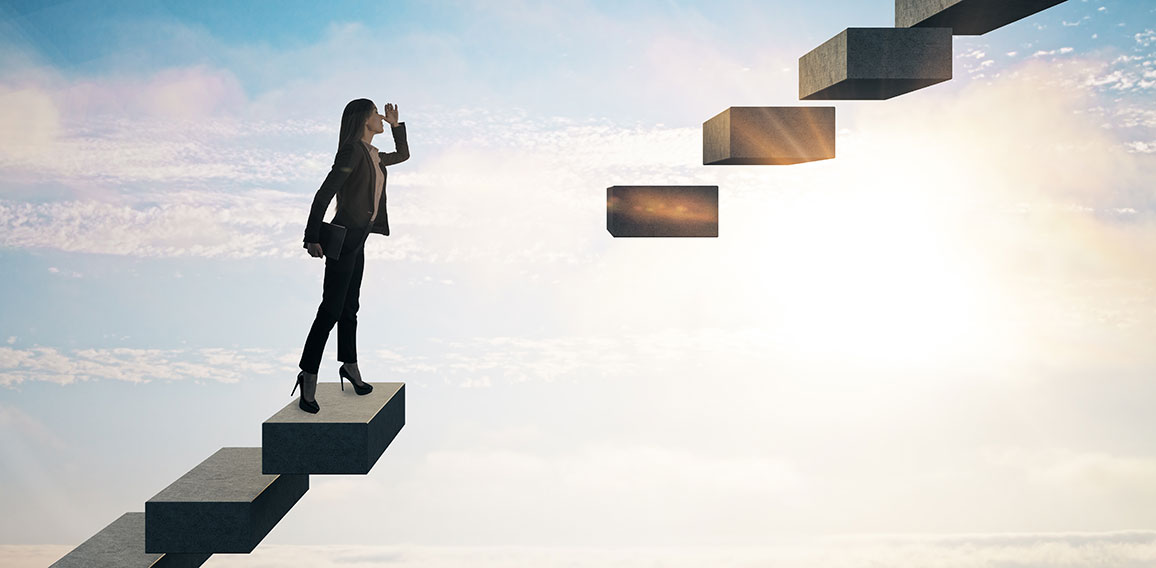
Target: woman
[(358, 181)]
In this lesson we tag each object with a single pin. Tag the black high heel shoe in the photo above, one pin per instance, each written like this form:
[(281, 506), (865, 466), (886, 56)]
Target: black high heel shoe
[(366, 388), (310, 407)]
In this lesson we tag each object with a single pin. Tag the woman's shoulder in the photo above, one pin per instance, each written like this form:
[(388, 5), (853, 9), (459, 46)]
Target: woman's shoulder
[(349, 146), (349, 153)]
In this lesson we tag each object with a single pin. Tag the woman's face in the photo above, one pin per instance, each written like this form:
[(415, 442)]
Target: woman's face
[(376, 122)]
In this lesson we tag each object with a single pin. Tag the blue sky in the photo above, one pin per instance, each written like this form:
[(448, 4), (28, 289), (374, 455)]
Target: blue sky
[(941, 336)]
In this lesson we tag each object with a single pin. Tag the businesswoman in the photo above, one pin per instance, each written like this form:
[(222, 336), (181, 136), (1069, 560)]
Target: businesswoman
[(358, 181)]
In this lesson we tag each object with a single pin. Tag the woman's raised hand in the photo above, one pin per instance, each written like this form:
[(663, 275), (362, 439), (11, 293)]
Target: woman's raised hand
[(391, 114), (315, 249)]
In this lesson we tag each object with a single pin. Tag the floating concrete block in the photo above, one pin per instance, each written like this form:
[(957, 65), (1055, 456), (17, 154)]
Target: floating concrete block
[(347, 436), (225, 504), (875, 63), (769, 136), (662, 210), (122, 545), (966, 17)]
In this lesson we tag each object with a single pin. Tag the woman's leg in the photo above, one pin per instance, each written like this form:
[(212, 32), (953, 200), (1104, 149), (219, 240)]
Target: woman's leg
[(337, 280), (347, 324)]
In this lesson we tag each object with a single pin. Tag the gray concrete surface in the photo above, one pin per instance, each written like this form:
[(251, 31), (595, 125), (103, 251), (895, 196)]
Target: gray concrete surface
[(875, 63), (347, 436), (122, 545), (223, 505)]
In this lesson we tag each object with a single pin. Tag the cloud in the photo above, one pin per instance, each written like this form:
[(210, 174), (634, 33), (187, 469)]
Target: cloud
[(474, 362), (70, 274), (700, 436), (1061, 51), (1094, 473), (471, 166), (442, 210), (1142, 147), (47, 364), (1135, 549), (186, 223), (1145, 38), (111, 152)]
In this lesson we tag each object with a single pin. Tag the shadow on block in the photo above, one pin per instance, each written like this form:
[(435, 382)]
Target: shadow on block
[(966, 17)]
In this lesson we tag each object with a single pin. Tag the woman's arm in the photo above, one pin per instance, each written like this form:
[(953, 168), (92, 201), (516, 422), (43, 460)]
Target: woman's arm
[(342, 166), (402, 152), (398, 130)]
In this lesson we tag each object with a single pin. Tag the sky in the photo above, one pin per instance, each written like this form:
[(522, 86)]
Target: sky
[(933, 350)]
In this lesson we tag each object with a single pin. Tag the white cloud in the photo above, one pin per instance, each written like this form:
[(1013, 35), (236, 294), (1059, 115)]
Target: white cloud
[(1098, 474), (1136, 549), (444, 211), (183, 223), (1145, 38), (142, 151), (1142, 147), (47, 364), (474, 170)]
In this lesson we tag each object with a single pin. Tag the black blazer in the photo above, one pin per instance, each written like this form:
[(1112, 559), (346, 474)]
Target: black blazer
[(351, 181)]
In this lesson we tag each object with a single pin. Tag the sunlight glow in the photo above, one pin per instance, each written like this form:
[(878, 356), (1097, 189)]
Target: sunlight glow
[(879, 267)]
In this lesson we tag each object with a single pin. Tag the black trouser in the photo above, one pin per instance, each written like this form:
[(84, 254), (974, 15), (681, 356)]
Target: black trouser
[(339, 303)]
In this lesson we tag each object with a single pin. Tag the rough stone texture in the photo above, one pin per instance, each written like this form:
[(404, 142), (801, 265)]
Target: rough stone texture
[(662, 210), (122, 545), (966, 17), (769, 136), (875, 63), (347, 436), (225, 504)]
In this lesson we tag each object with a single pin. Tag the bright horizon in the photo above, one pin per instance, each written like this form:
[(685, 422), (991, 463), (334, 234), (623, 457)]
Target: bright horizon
[(936, 346)]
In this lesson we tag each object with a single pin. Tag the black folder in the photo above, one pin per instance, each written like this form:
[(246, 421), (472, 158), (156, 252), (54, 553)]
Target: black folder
[(332, 236)]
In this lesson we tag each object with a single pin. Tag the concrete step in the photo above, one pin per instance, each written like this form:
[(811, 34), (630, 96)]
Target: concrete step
[(347, 436), (875, 63), (662, 210), (769, 136), (122, 545), (225, 504), (966, 17)]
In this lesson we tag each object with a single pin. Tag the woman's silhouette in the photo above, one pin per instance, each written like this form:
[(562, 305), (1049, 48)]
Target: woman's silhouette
[(358, 181)]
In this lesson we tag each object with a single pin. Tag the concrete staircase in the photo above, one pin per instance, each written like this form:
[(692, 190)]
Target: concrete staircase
[(232, 499), (856, 64), (881, 63)]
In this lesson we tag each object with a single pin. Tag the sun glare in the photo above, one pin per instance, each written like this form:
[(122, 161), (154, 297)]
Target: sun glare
[(877, 269)]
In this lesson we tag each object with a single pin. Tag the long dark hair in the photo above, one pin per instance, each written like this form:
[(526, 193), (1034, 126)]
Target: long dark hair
[(353, 120)]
